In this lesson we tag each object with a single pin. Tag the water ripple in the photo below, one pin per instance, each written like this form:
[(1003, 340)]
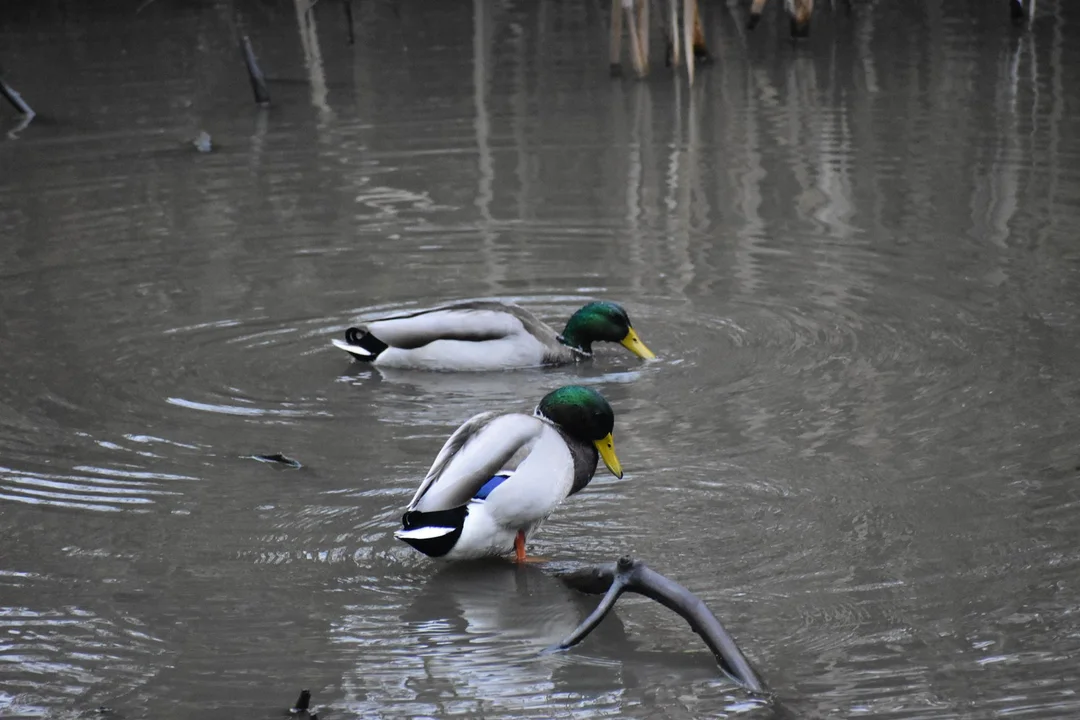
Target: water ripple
[(55, 660), (105, 490)]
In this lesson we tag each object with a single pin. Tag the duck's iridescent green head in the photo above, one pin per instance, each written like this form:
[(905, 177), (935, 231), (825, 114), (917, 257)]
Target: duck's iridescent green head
[(585, 415), (603, 322)]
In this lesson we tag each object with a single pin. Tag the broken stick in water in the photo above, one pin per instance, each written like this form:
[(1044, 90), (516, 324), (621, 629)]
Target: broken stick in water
[(632, 575)]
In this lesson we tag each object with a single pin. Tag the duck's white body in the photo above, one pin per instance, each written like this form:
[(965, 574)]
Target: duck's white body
[(473, 336), (516, 351), (543, 466)]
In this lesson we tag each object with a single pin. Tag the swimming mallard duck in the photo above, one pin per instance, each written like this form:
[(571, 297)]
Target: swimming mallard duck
[(500, 474), (488, 335)]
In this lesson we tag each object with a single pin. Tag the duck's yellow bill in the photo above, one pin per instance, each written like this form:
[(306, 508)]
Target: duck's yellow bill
[(633, 343), (606, 446)]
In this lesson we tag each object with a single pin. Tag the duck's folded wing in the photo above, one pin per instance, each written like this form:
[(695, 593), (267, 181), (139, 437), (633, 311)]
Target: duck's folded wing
[(473, 454), (470, 322)]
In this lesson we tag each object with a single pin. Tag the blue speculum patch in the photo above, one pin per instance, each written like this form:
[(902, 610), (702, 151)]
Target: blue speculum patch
[(490, 485)]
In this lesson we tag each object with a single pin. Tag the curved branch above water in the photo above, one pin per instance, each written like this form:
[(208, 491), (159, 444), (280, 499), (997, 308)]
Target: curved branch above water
[(613, 579)]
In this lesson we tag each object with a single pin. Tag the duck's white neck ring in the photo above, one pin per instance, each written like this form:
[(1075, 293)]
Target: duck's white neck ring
[(537, 413), (578, 350)]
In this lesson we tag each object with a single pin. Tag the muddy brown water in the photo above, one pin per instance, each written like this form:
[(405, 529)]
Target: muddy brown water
[(857, 259)]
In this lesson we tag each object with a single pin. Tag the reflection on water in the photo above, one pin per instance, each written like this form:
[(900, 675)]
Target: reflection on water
[(470, 640), (854, 256)]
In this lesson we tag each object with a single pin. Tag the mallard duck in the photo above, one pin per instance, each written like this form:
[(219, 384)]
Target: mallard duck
[(488, 335), (500, 474)]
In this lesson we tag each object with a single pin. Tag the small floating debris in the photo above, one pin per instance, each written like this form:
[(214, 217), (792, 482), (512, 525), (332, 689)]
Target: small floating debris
[(279, 459), (202, 142)]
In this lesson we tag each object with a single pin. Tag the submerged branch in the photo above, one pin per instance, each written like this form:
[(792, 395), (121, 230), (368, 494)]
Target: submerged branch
[(632, 575)]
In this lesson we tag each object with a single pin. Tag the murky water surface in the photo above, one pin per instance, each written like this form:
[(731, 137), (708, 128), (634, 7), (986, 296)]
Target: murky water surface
[(857, 259)]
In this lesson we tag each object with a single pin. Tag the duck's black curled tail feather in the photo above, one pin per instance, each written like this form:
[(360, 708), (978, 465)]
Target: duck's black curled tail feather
[(432, 533), (366, 341)]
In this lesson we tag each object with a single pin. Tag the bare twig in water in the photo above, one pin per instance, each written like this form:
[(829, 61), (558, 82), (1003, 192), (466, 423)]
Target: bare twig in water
[(632, 575), (15, 99), (143, 6), (258, 80)]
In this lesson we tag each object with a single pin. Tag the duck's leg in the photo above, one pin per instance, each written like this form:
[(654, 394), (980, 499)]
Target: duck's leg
[(641, 60), (689, 13), (643, 31), (615, 46), (701, 49), (801, 10), (755, 13), (519, 547), (673, 50)]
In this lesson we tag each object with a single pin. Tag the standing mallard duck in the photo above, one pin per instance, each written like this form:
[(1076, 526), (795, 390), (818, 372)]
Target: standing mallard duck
[(500, 474), (488, 335)]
